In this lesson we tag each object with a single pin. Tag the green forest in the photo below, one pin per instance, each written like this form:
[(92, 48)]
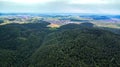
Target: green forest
[(71, 45)]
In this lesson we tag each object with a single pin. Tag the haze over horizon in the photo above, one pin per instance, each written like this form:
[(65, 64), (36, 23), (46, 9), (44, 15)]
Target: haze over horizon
[(60, 6)]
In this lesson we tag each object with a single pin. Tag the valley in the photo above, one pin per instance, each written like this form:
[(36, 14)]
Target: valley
[(59, 41)]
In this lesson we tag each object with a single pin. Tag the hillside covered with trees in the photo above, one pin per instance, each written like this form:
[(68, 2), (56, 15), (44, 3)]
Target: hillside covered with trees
[(71, 45)]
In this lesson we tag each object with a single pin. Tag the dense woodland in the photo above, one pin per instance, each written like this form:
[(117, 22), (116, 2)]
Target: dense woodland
[(72, 45)]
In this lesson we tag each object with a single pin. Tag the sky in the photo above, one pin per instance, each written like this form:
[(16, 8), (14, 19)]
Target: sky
[(60, 6)]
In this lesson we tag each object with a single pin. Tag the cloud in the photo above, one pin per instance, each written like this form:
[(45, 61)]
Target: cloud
[(89, 2), (27, 1), (61, 6)]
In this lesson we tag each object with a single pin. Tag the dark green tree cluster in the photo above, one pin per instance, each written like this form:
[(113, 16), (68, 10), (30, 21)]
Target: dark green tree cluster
[(78, 48), (18, 42), (72, 45)]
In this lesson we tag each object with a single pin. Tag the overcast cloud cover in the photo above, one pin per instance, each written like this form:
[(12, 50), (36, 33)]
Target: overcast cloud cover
[(61, 6)]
